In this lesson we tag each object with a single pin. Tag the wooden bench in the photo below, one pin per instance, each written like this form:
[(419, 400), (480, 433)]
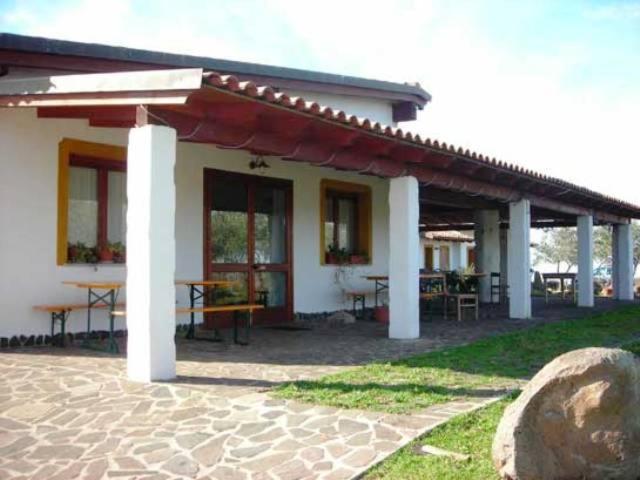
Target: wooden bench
[(357, 296), (60, 313), (235, 309)]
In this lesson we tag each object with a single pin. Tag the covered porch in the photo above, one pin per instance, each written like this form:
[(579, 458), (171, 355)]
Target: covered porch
[(430, 185)]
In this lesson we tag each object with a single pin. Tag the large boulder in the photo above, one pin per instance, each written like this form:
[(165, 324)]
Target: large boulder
[(578, 418)]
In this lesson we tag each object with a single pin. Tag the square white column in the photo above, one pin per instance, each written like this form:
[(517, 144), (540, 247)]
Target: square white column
[(151, 247), (519, 259), (623, 262), (487, 238), (585, 261), (404, 257)]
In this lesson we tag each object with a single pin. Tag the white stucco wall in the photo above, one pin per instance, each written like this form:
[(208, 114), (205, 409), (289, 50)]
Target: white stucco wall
[(376, 109), (28, 215)]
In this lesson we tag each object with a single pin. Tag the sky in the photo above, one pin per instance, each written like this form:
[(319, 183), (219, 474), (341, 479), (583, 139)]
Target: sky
[(550, 85)]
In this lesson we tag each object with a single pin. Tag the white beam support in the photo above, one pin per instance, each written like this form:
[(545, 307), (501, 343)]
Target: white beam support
[(623, 262), (585, 261), (519, 259), (151, 247), (404, 266), (487, 237)]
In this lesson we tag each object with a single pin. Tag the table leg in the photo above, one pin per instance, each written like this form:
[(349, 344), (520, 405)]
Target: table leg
[(191, 333), (87, 338), (376, 293), (546, 291), (113, 345), (63, 320)]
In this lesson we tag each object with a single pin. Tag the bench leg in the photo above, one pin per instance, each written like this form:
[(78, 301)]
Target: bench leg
[(236, 338)]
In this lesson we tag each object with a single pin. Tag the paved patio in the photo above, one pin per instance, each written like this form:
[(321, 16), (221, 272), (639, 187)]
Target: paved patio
[(72, 414)]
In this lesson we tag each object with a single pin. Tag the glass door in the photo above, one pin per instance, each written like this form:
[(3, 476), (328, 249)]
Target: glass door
[(248, 240)]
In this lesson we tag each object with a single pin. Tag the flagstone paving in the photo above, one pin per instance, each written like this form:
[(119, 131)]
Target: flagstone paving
[(60, 421), (71, 413)]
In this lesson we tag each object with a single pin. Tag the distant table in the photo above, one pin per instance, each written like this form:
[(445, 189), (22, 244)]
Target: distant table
[(381, 283), (562, 277), (203, 290), (101, 294)]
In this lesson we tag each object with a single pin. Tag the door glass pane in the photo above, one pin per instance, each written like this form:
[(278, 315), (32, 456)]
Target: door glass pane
[(271, 286), (235, 294), (117, 208), (346, 224), (83, 206), (229, 222), (270, 225)]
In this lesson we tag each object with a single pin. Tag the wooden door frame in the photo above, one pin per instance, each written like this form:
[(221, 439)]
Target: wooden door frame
[(209, 176)]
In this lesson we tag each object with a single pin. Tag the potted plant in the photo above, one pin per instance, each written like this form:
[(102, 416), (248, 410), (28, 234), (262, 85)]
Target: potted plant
[(331, 255), (336, 256), (381, 314), (359, 259), (73, 250), (119, 252), (105, 254)]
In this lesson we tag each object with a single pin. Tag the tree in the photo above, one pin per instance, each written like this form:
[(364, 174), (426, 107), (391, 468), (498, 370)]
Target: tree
[(559, 246), (602, 250)]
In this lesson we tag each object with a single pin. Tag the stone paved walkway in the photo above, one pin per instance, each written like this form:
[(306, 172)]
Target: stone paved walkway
[(71, 413), (60, 421)]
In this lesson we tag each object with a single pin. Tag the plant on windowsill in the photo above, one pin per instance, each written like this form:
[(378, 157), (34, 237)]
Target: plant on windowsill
[(336, 256), (119, 252), (80, 253), (359, 259), (106, 254)]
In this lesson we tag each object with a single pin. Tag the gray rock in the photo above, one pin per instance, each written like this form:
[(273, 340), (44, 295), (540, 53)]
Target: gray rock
[(577, 418)]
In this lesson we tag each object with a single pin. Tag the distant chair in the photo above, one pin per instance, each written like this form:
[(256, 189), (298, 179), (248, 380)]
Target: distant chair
[(498, 290)]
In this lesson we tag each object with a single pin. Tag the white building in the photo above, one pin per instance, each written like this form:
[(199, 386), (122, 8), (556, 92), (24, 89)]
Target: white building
[(226, 178)]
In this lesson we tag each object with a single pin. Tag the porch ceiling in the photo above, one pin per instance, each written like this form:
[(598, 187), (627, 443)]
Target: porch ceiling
[(206, 107)]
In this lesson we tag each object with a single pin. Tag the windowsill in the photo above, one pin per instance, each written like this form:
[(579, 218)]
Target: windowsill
[(95, 265), (347, 264)]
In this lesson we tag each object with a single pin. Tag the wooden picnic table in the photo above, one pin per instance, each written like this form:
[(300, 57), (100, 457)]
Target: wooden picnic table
[(381, 283), (203, 290), (101, 294), (562, 277)]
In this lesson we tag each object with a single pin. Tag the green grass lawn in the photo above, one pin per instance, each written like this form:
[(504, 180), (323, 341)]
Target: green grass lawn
[(480, 368), (471, 434)]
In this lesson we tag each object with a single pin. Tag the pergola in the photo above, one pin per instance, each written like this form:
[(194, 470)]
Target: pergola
[(433, 186)]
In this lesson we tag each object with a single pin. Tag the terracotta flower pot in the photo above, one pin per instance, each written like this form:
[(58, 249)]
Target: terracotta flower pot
[(106, 255), (358, 259), (381, 314)]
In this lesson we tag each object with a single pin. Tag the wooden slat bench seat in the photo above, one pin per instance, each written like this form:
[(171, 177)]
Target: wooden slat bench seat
[(60, 313), (235, 309), (358, 296), (249, 308)]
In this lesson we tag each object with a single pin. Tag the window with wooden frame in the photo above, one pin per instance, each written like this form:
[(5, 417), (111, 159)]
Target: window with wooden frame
[(92, 202), (345, 223)]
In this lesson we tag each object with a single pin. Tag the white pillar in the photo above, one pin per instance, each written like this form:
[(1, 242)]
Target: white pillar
[(487, 237), (623, 262), (151, 247), (519, 259), (404, 268), (585, 261), (504, 255)]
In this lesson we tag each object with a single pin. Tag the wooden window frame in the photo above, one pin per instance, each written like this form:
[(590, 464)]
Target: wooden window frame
[(362, 195), (105, 158)]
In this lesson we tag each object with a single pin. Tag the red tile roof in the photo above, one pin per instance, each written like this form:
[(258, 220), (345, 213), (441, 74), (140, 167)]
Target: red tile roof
[(267, 94)]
